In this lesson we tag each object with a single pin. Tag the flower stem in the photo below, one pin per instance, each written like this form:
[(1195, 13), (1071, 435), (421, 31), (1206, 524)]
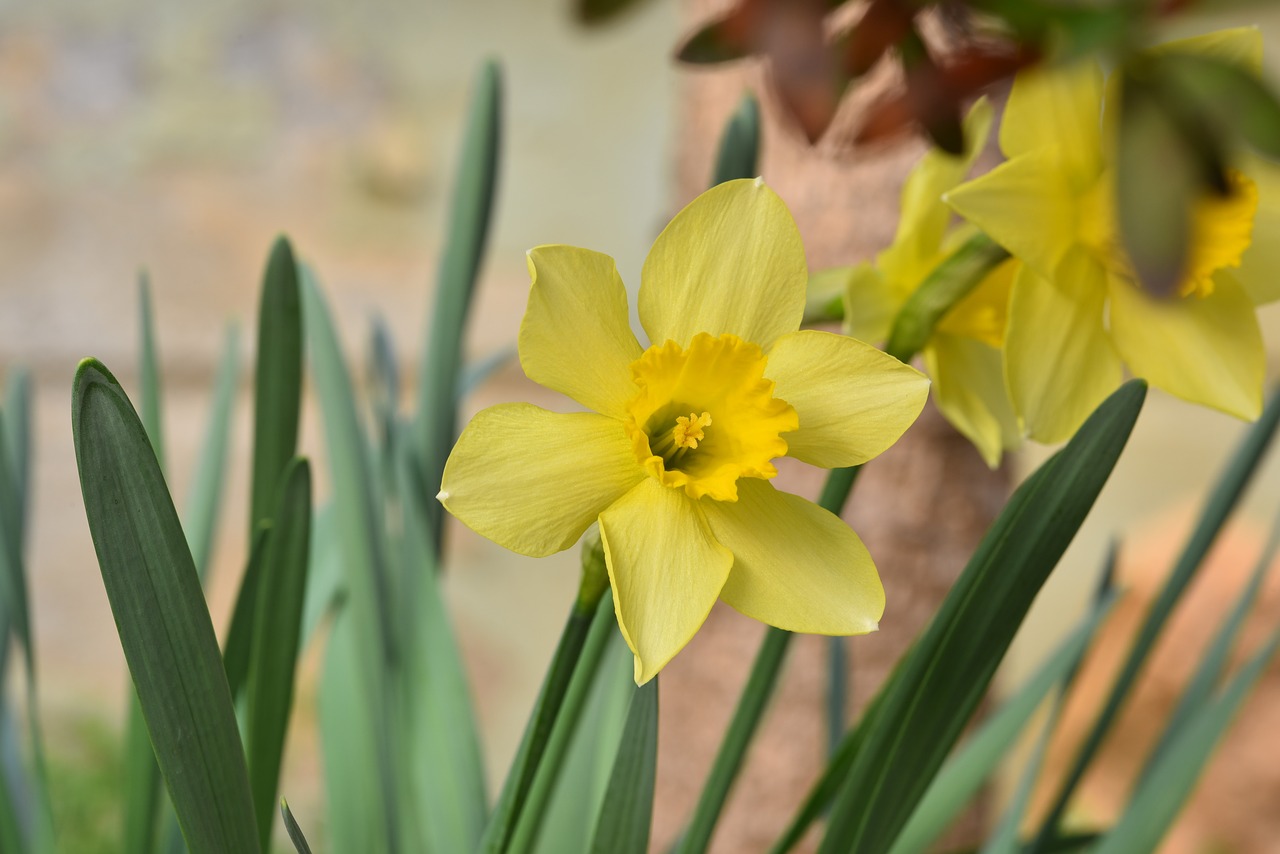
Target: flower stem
[(537, 734), (755, 696)]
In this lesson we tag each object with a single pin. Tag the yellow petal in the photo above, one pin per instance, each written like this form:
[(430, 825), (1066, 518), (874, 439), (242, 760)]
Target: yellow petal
[(1241, 46), (968, 387), (533, 480), (795, 566), (1259, 270), (1059, 361), (1207, 350), (853, 400), (871, 302), (1057, 107), (575, 337), (924, 218), (732, 262), (666, 568), (1029, 205)]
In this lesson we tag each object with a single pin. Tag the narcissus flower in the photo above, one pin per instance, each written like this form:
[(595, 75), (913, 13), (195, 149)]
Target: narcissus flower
[(1077, 315), (675, 460), (963, 355)]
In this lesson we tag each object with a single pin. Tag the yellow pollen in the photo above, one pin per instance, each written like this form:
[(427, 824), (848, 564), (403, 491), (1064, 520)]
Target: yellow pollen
[(688, 431)]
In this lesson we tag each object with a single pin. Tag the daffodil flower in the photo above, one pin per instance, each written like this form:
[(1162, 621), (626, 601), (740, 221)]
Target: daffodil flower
[(963, 356), (1077, 315), (675, 460)]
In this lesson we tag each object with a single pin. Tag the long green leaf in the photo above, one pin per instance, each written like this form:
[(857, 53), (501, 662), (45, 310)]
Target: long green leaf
[(238, 648), (368, 622), (966, 771), (945, 675), (469, 214), (276, 635), (151, 395), (445, 773), (1226, 493), (626, 815), (291, 826), (1213, 663), (141, 794), (161, 616), (1158, 801), (278, 385), (205, 498)]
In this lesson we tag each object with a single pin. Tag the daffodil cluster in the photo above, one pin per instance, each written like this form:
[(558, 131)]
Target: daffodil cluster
[(1077, 316), (674, 460)]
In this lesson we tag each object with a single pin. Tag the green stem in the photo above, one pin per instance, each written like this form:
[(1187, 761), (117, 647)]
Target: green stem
[(755, 696), (837, 691), (551, 700)]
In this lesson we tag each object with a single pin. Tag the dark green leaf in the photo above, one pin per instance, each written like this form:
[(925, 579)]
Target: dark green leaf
[(1228, 96), (295, 833), (721, 39), (1158, 800), (739, 152), (595, 12), (152, 393), (1226, 493), (238, 648), (205, 498), (161, 616), (469, 216), (626, 815), (947, 671), (277, 388), (277, 623)]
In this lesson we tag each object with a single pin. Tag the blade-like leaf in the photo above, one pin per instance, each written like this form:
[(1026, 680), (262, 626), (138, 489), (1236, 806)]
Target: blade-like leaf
[(1226, 493), (205, 498), (277, 624), (278, 385), (627, 812), (295, 833), (238, 647), (966, 771), (151, 394), (946, 673), (1157, 802), (160, 613), (739, 152), (469, 215)]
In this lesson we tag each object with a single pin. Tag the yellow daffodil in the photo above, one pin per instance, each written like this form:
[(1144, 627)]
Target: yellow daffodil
[(1076, 314), (963, 356), (675, 460)]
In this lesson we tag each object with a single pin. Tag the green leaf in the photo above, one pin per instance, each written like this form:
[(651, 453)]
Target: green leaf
[(324, 578), (17, 446), (966, 771), (438, 724), (363, 642), (595, 12), (277, 623), (238, 648), (291, 826), (1226, 493), (739, 152), (161, 616), (277, 387), (626, 815), (469, 216), (946, 673), (719, 40), (151, 397), (1158, 800), (1214, 661), (204, 501)]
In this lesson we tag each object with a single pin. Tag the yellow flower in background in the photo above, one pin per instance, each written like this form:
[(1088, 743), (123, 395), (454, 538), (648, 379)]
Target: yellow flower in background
[(1076, 314), (963, 356), (675, 459)]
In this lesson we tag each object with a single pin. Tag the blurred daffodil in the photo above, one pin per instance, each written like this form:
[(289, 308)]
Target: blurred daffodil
[(963, 356), (675, 460), (1077, 314)]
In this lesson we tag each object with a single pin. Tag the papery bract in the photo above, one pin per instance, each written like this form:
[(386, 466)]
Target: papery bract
[(674, 462)]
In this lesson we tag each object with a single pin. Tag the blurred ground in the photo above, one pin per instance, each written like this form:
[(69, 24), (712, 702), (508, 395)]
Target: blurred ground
[(183, 138)]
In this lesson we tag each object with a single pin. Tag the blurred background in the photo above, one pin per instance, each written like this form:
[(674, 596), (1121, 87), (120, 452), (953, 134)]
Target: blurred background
[(182, 138)]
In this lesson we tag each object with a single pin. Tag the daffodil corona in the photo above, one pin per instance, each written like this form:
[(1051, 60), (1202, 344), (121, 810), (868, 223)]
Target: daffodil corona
[(675, 459)]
